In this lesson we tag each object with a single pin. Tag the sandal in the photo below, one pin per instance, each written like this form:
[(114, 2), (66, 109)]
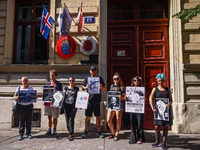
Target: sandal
[(116, 138), (111, 136)]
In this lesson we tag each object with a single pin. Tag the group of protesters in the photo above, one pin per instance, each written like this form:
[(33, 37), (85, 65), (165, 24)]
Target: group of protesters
[(136, 119)]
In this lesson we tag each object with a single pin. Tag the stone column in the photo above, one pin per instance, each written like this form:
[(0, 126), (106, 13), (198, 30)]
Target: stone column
[(176, 63), (103, 54), (8, 51)]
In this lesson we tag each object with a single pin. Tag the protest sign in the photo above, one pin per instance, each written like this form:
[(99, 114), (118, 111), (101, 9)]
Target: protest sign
[(162, 110), (93, 85), (58, 97), (135, 102), (27, 96), (82, 100), (113, 100), (48, 93)]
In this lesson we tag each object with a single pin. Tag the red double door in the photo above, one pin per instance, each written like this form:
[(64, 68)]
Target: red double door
[(141, 50)]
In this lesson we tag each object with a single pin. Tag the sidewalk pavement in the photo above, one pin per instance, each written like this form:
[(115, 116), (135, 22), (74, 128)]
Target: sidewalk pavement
[(9, 141)]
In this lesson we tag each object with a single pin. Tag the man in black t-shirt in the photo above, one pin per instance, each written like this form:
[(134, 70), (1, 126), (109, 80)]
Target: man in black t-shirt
[(93, 104)]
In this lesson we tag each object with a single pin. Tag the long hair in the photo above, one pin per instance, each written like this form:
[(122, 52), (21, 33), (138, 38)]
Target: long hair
[(120, 80), (138, 78)]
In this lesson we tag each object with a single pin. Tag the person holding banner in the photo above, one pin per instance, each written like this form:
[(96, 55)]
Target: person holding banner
[(94, 103), (52, 111), (69, 106), (136, 119), (117, 86), (25, 110), (161, 92)]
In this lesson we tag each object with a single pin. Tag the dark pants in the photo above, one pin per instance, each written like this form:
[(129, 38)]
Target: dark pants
[(136, 123), (70, 113), (25, 117)]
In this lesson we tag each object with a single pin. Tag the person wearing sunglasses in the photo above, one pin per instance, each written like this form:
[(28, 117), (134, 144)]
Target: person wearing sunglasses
[(161, 92), (69, 106), (116, 86), (136, 119)]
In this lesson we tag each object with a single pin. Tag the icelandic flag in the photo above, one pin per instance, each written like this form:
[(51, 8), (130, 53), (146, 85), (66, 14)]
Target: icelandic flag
[(46, 23), (80, 20), (66, 22), (59, 20)]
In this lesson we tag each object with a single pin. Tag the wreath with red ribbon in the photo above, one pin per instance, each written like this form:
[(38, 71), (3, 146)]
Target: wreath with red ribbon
[(66, 47)]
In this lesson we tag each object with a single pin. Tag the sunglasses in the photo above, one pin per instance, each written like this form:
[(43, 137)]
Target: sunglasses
[(136, 80), (115, 78), (71, 80)]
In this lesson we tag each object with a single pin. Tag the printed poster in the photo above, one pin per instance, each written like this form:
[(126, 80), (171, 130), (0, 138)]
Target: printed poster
[(58, 97), (113, 100), (135, 102), (93, 85), (82, 100), (48, 93), (162, 110), (27, 96)]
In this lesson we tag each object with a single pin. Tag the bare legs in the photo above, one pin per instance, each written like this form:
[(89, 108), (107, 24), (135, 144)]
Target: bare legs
[(98, 122), (49, 122), (157, 133)]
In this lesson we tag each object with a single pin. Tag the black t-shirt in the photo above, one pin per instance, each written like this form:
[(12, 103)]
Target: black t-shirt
[(70, 95), (117, 88), (94, 98)]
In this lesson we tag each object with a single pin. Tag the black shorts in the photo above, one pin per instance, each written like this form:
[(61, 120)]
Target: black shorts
[(93, 107)]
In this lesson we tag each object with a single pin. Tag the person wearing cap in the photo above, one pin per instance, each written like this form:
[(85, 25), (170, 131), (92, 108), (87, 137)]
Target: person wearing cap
[(93, 104)]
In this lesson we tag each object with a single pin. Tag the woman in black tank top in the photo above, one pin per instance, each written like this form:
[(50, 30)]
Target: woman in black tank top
[(161, 101)]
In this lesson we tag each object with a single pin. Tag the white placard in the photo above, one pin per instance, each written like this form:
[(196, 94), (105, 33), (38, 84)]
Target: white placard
[(162, 110), (58, 97), (93, 85), (82, 100), (135, 102)]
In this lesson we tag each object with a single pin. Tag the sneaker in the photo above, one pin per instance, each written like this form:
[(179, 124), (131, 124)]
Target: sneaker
[(48, 132), (20, 137), (139, 141), (29, 136), (54, 133), (163, 147), (71, 138), (84, 135), (100, 135), (156, 144)]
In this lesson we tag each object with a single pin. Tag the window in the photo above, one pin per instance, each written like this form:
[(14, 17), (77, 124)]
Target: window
[(29, 44), (136, 9)]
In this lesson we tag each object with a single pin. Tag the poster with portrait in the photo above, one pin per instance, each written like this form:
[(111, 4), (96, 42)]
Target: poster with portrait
[(57, 100), (82, 100), (93, 85), (162, 110), (113, 102), (27, 96), (48, 93), (135, 102)]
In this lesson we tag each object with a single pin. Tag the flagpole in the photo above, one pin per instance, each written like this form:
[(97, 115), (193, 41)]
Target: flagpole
[(70, 14)]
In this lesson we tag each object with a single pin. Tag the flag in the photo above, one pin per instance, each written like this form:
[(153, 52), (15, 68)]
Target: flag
[(59, 20), (80, 20), (46, 23), (66, 22)]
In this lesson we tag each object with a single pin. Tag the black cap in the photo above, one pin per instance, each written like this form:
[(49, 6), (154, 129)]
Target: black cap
[(93, 68)]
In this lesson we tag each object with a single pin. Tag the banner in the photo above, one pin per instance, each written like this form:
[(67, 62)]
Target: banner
[(162, 110), (93, 85), (58, 97), (82, 100), (27, 96), (48, 93), (135, 102), (113, 100)]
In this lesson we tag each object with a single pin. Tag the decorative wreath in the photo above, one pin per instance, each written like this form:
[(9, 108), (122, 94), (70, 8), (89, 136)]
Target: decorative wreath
[(66, 47), (88, 45)]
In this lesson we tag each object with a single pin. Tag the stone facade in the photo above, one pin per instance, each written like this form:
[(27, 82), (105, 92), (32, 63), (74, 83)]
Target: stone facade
[(184, 42)]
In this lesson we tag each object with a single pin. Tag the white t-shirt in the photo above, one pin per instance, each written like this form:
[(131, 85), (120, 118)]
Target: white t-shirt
[(21, 89)]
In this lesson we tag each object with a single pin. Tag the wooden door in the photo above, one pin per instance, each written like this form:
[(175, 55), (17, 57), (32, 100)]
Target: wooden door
[(154, 58)]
